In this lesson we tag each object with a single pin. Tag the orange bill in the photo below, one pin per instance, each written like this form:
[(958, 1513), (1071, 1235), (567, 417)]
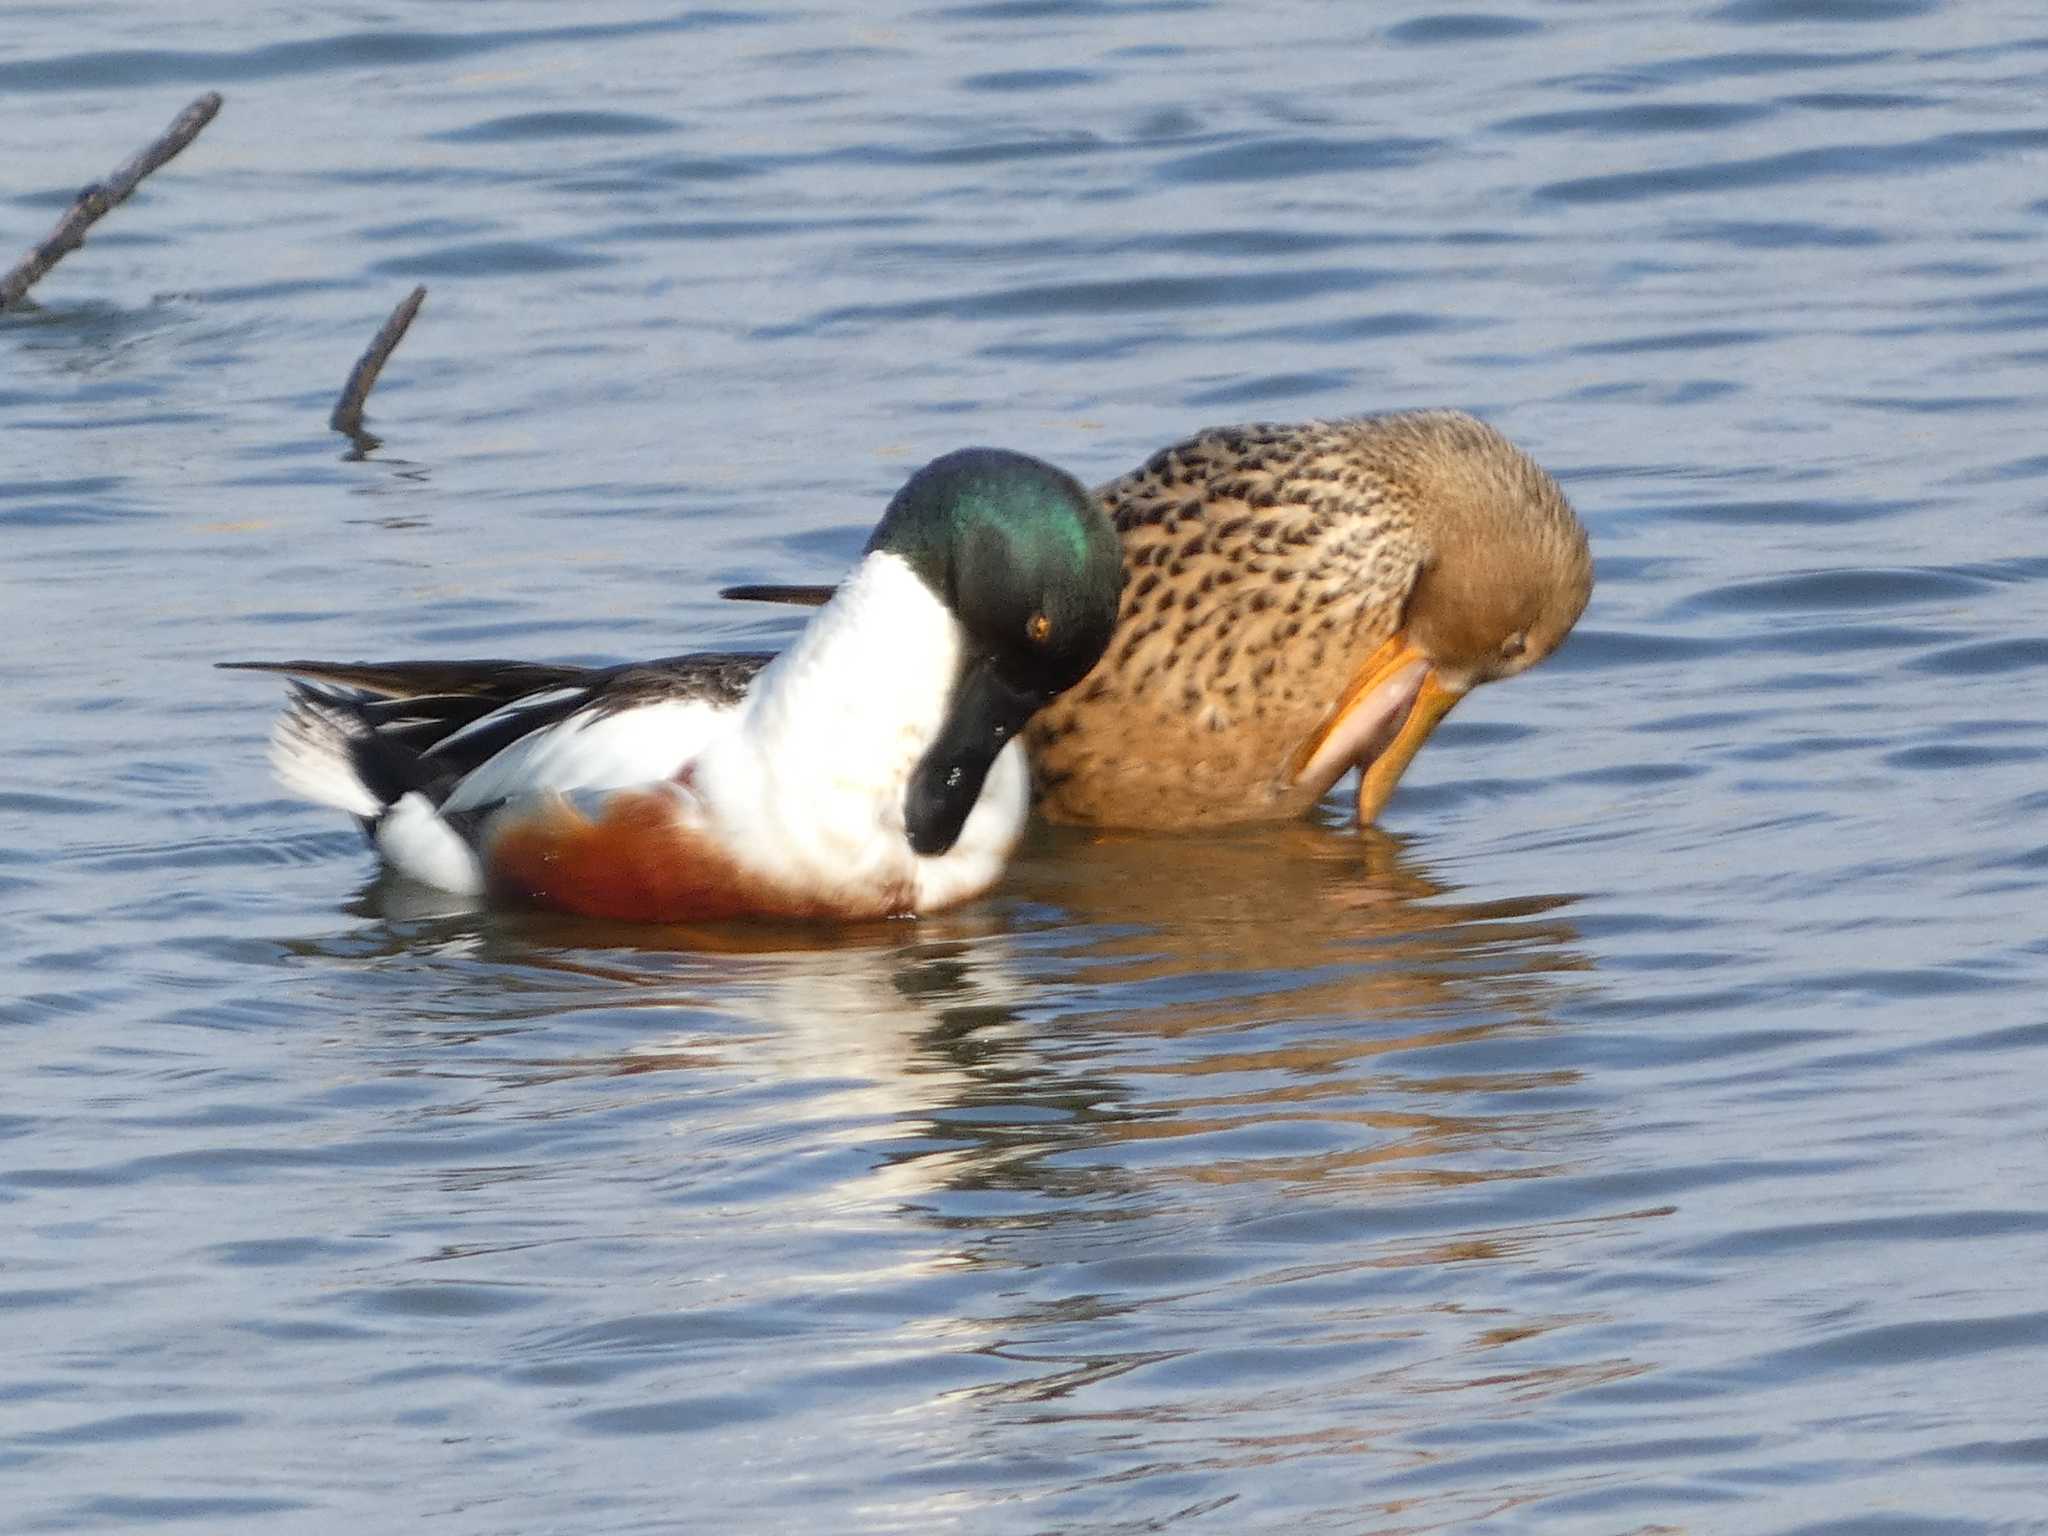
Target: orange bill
[(1376, 784), (1386, 714)]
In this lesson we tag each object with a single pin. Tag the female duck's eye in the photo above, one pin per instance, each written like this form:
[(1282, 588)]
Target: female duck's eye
[(1513, 646), (1038, 626)]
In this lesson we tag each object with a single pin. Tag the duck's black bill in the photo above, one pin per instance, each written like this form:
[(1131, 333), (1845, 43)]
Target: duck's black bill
[(986, 713)]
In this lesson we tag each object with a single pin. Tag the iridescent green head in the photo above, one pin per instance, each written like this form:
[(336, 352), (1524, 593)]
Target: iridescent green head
[(1020, 552), (1025, 559)]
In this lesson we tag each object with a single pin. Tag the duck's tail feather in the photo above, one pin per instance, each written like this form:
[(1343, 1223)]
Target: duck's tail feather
[(327, 748), (313, 750)]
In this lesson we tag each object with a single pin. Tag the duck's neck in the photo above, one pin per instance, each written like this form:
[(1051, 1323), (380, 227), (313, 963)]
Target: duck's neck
[(864, 689), (812, 780)]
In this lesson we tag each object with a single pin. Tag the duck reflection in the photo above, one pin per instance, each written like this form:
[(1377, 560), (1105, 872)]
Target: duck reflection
[(1169, 1098), (1284, 1003)]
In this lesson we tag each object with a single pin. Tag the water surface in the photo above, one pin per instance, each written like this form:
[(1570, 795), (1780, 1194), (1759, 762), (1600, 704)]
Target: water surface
[(1642, 1132)]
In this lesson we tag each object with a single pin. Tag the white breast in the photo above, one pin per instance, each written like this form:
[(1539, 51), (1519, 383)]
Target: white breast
[(987, 839), (811, 784)]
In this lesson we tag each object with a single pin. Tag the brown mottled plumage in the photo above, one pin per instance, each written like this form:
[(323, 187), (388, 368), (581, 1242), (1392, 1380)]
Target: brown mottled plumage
[(1304, 599)]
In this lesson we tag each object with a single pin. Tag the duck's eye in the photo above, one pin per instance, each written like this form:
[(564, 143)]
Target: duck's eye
[(1038, 627), (1513, 646)]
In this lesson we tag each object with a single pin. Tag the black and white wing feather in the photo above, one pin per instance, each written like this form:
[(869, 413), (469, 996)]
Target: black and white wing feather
[(362, 735)]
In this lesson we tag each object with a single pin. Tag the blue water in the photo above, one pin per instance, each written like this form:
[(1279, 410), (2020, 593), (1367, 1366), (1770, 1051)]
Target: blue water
[(1642, 1133)]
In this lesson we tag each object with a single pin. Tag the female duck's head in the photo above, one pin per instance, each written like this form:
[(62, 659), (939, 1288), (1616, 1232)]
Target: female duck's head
[(1027, 563)]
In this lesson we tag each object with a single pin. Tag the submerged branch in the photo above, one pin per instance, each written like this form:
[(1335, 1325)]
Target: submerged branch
[(348, 410), (99, 199)]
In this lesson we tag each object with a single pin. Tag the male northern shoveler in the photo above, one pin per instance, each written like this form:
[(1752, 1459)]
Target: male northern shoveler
[(871, 769), (1303, 600)]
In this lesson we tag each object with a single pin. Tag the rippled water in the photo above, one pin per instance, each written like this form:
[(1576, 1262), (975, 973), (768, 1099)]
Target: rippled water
[(1644, 1133)]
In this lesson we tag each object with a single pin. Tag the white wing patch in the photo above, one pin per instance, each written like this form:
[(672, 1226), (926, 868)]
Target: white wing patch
[(597, 751)]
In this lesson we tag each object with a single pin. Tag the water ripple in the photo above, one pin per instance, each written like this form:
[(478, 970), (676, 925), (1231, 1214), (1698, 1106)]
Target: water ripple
[(1828, 163), (108, 69), (1453, 27), (1267, 159), (1838, 591), (1637, 117), (527, 127), (1130, 295), (1779, 12)]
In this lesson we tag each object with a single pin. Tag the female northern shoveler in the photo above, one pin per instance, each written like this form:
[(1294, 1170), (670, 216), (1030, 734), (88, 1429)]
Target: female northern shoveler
[(871, 769), (1303, 600)]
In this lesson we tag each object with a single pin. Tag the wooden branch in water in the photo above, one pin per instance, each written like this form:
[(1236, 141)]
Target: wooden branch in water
[(348, 410), (99, 199)]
